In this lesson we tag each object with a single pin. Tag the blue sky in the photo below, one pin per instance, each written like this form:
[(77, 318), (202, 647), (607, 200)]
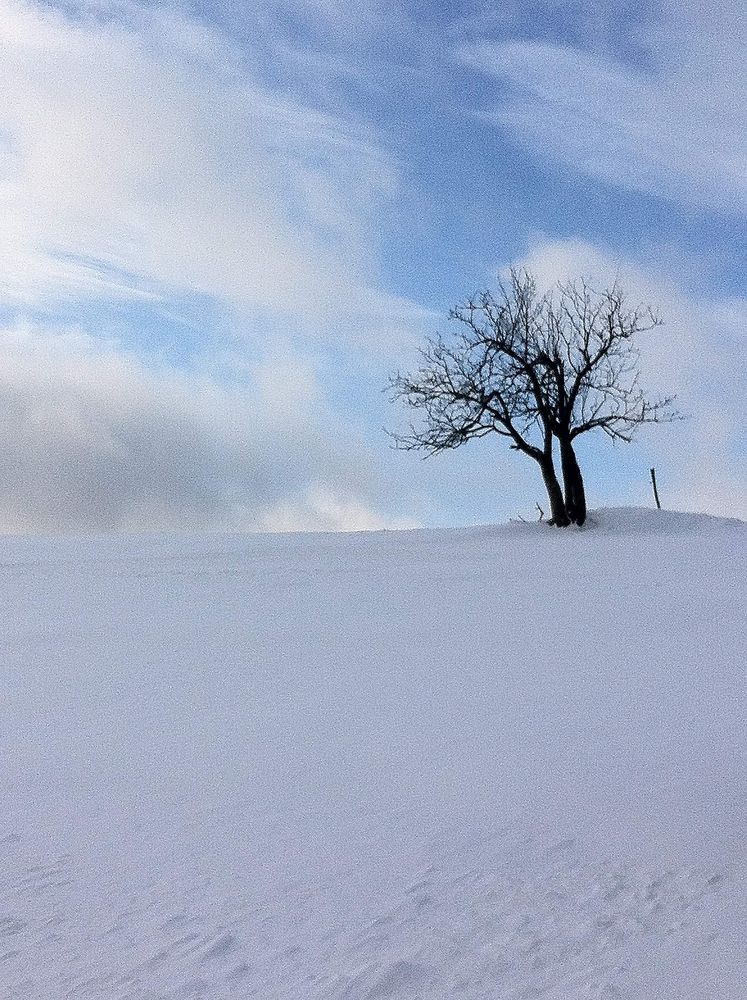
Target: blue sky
[(222, 227)]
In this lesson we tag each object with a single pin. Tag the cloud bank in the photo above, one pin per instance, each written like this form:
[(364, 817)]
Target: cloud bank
[(142, 160), (92, 439)]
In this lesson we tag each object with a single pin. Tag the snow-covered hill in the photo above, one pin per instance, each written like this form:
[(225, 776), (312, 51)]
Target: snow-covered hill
[(498, 762)]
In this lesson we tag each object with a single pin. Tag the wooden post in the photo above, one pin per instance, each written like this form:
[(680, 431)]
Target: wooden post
[(656, 492)]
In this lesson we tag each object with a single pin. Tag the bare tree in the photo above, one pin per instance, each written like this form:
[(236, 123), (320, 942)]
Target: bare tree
[(534, 369)]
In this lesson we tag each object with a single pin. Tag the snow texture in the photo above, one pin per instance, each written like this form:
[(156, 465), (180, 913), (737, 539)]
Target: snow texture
[(501, 762)]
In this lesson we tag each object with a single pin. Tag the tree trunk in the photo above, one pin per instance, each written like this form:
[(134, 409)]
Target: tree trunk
[(573, 483), (558, 515)]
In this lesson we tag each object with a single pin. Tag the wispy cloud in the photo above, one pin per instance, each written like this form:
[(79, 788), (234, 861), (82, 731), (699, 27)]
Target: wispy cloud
[(676, 129), (144, 144)]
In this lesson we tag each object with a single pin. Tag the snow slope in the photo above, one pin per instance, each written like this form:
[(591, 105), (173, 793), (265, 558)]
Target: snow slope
[(502, 762)]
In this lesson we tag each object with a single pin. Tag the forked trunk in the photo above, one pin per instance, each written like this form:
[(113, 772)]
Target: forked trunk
[(558, 515), (573, 483)]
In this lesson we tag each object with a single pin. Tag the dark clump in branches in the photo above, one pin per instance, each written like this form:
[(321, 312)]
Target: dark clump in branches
[(539, 370)]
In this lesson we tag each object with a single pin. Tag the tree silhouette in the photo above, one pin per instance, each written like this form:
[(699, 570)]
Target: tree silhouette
[(534, 369)]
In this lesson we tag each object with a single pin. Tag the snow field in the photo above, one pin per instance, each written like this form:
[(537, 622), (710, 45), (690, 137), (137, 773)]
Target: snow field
[(497, 762)]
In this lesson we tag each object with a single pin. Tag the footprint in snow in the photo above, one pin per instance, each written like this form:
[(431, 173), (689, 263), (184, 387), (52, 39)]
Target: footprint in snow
[(223, 946)]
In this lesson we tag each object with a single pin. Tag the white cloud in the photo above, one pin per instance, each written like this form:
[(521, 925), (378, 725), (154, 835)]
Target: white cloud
[(93, 439), (138, 154), (678, 129), (321, 509), (142, 158)]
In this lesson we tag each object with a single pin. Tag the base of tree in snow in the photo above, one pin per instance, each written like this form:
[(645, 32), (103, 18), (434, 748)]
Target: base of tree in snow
[(495, 762)]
